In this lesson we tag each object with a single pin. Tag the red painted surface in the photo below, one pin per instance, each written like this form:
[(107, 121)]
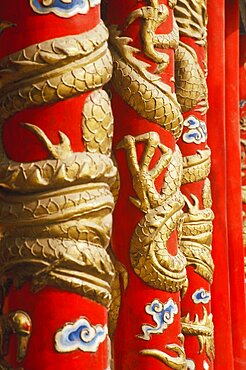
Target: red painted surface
[(233, 172), (242, 98), (127, 345), (138, 294), (31, 28), (50, 309), (65, 116), (195, 280), (216, 140)]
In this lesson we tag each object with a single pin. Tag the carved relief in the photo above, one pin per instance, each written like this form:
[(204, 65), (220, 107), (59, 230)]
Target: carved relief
[(197, 238), (203, 329), (15, 323), (54, 70), (142, 90), (178, 362), (56, 215), (149, 255)]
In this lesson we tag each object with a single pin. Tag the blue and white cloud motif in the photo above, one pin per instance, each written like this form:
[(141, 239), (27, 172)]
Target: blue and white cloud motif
[(197, 131), (63, 8), (201, 296), (80, 335), (163, 316)]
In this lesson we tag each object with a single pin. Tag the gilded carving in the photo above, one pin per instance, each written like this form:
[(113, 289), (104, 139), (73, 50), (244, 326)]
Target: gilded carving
[(15, 323), (121, 275), (149, 255), (196, 167), (142, 90), (97, 123), (56, 214), (190, 80), (192, 19), (191, 88), (197, 238), (178, 362), (153, 16), (203, 329), (54, 70), (59, 236)]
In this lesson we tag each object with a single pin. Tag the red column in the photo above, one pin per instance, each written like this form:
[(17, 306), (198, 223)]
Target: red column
[(147, 215), (220, 288), (242, 104), (56, 171), (233, 172), (196, 240)]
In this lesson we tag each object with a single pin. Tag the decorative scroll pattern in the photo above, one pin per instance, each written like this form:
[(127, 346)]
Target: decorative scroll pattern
[(197, 131), (201, 296), (63, 8), (80, 335), (149, 255), (57, 213), (163, 315)]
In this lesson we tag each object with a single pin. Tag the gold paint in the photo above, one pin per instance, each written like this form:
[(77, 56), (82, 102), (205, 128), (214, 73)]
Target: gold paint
[(121, 275), (190, 82), (196, 167), (206, 194), (97, 123), (177, 363), (63, 225), (197, 238), (192, 18), (18, 323), (152, 17), (58, 235), (203, 329), (191, 88), (142, 90), (54, 70), (149, 255)]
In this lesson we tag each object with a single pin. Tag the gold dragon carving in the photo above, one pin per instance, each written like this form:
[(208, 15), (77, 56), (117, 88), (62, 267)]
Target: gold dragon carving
[(191, 89), (203, 329), (176, 363), (56, 214), (144, 91), (197, 238), (149, 255), (190, 80)]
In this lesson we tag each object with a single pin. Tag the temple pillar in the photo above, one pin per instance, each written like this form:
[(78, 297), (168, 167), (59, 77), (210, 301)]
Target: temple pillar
[(56, 177), (148, 214)]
